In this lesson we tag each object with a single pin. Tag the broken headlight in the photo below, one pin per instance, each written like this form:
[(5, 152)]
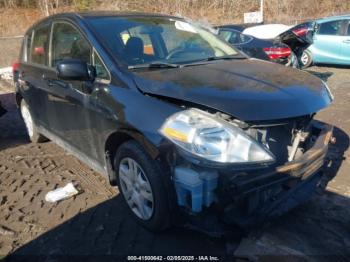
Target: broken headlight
[(212, 138)]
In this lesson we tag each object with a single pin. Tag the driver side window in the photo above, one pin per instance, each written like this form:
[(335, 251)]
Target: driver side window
[(68, 43)]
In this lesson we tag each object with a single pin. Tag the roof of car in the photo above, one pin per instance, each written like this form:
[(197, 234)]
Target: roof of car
[(98, 14), (332, 18), (239, 27)]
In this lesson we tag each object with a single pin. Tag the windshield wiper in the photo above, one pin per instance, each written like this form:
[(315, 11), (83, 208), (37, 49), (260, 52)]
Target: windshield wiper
[(225, 57), (155, 65), (214, 58)]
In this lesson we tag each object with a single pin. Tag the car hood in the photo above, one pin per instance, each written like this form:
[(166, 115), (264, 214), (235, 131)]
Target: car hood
[(248, 89)]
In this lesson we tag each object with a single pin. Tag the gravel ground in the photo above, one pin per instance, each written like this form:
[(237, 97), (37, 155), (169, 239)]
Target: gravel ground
[(97, 222)]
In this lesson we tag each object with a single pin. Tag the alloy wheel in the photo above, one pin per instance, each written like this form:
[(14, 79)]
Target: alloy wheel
[(304, 58), (136, 188)]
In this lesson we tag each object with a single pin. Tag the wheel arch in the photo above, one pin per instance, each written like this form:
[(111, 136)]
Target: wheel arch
[(116, 139)]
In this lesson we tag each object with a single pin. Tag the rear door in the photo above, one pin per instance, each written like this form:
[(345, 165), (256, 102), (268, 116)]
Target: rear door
[(327, 42), (345, 45), (34, 65)]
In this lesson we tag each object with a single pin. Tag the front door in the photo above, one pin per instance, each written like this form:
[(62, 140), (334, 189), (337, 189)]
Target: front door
[(327, 43), (345, 46), (69, 102)]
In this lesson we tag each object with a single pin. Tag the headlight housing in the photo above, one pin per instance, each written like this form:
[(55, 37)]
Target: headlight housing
[(328, 90), (212, 138)]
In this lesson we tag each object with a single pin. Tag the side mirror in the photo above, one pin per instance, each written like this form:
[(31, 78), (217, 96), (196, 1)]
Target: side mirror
[(75, 70)]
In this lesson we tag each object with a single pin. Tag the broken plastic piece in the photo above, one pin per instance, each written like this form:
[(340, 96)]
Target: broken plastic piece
[(61, 193)]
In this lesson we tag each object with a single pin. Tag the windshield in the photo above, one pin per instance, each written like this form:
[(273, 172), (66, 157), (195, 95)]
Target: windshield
[(147, 40)]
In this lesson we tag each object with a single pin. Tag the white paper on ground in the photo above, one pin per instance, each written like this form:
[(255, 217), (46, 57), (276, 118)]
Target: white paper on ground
[(61, 193)]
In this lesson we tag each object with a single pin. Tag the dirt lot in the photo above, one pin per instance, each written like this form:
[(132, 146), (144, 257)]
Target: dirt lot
[(96, 222)]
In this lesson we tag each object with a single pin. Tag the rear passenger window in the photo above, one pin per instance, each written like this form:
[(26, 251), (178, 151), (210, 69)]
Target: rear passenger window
[(68, 43), (330, 28), (40, 45), (348, 31)]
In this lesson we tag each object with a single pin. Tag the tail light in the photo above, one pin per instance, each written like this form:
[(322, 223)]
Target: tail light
[(15, 66), (277, 52), (302, 31)]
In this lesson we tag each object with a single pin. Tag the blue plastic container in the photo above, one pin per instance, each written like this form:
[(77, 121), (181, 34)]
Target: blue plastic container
[(189, 188), (210, 183)]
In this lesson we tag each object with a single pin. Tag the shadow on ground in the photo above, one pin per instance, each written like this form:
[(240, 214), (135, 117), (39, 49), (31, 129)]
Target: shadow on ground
[(12, 127), (108, 230)]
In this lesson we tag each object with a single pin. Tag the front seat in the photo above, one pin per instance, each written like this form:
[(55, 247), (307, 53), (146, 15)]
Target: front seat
[(134, 50)]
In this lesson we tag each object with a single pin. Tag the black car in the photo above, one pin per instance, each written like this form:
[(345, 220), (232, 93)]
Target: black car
[(295, 41), (270, 50), (185, 125), (241, 27)]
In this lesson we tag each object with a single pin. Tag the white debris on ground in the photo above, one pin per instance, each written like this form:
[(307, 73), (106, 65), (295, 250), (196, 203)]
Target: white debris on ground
[(6, 73), (61, 193)]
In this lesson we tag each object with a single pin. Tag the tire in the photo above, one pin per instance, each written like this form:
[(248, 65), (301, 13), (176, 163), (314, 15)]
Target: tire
[(155, 215), (32, 129), (305, 59), (294, 61)]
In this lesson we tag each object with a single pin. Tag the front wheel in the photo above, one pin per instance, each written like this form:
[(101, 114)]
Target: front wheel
[(305, 59), (141, 185)]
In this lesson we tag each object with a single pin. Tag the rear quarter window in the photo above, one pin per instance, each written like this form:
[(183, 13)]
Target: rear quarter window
[(234, 37)]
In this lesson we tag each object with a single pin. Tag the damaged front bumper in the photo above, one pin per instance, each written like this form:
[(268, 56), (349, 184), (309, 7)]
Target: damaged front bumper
[(249, 197)]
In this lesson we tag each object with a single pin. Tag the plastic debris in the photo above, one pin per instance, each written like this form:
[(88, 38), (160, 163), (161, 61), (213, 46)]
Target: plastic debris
[(61, 193)]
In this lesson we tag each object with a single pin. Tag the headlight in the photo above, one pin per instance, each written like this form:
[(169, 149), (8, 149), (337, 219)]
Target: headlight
[(328, 90), (206, 136)]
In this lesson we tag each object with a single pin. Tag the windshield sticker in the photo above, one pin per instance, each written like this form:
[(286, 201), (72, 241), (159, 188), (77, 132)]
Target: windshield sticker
[(183, 26)]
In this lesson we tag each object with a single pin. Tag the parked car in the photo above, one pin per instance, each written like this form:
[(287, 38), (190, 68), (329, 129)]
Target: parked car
[(185, 125), (298, 37), (241, 27), (331, 42), (270, 50)]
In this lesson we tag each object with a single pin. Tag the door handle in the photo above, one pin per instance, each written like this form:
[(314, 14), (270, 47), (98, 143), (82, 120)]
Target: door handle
[(49, 81), (347, 41)]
